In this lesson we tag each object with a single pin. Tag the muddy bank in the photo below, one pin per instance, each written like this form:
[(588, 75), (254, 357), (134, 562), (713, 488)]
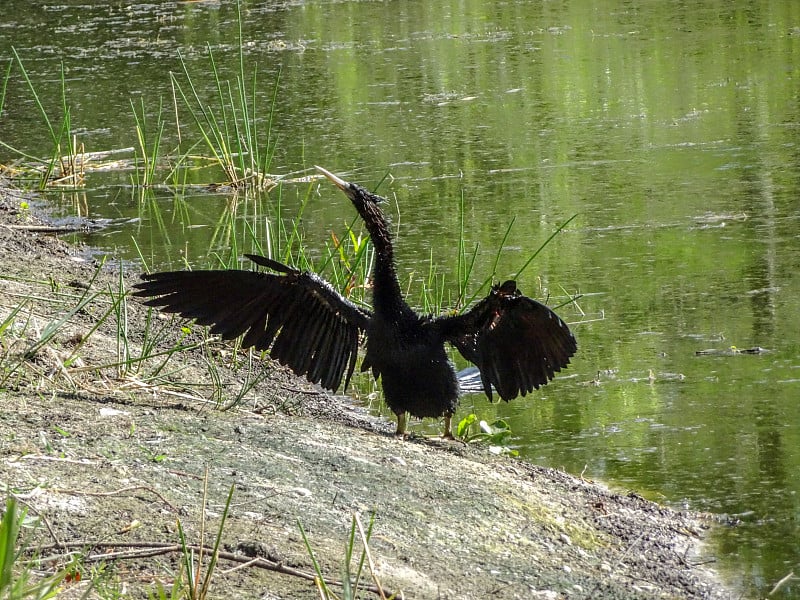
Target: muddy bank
[(112, 456)]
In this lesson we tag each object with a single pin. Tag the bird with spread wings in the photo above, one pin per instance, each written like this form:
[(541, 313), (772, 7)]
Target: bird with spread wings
[(516, 343)]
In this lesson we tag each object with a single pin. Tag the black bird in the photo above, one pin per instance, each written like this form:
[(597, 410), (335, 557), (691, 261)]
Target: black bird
[(517, 343)]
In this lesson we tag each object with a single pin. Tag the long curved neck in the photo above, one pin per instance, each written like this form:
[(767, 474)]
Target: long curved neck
[(387, 298)]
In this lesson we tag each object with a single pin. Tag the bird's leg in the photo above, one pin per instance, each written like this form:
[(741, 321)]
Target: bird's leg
[(447, 434), (402, 421)]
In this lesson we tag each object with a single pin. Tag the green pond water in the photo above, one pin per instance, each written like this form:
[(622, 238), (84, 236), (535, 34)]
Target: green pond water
[(671, 129)]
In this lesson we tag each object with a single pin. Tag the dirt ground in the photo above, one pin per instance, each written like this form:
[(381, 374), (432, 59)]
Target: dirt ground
[(113, 458)]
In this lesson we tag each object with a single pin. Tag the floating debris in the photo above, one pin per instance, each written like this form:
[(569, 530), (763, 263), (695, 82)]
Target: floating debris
[(732, 351)]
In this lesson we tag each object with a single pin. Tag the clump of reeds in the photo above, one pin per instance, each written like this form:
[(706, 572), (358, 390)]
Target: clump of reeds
[(63, 165), (228, 125)]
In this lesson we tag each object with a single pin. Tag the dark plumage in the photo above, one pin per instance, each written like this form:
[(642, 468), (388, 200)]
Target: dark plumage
[(517, 343)]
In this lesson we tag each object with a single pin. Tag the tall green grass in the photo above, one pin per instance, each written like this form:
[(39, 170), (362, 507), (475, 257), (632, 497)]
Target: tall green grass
[(229, 130), (28, 333), (236, 134), (4, 85), (229, 126), (197, 569), (352, 574), (149, 144), (18, 579), (63, 164)]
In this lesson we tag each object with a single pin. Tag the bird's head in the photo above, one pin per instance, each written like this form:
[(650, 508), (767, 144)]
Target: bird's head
[(362, 199)]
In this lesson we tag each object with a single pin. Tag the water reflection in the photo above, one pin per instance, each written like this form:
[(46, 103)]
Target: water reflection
[(670, 130)]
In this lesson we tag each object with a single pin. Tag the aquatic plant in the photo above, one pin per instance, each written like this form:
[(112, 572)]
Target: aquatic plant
[(149, 145), (230, 130), (230, 126), (471, 429), (64, 163)]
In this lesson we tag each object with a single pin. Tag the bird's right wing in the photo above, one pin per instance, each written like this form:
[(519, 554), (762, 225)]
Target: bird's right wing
[(298, 317)]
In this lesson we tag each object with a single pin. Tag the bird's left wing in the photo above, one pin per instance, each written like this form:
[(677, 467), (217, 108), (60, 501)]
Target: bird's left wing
[(517, 343), (303, 322)]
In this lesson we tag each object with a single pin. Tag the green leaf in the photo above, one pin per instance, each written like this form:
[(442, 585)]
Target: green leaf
[(464, 425)]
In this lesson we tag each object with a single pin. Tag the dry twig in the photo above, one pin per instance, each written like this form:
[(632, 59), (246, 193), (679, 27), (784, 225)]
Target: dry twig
[(150, 549)]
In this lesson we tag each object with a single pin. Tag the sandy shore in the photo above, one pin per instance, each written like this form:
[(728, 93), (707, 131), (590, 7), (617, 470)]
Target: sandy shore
[(112, 457)]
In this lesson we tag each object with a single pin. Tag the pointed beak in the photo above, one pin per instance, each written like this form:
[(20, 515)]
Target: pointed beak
[(337, 181)]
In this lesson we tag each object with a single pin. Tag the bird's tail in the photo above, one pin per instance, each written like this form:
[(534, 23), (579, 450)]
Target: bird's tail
[(469, 381)]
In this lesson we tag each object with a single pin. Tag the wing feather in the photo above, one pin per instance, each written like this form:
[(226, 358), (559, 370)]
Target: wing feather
[(298, 317), (517, 343)]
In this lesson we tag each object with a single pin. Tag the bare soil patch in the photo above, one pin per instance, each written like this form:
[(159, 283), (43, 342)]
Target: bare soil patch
[(110, 458)]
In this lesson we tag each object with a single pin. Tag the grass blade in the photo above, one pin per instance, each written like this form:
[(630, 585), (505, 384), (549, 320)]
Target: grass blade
[(544, 245)]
